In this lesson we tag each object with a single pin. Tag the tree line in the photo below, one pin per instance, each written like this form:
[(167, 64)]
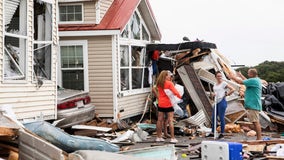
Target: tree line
[(271, 71)]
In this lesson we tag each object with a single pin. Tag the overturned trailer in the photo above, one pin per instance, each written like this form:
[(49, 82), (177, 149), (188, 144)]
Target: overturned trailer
[(195, 65)]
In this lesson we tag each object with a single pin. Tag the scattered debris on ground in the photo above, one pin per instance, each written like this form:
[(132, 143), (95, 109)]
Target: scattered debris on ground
[(194, 65)]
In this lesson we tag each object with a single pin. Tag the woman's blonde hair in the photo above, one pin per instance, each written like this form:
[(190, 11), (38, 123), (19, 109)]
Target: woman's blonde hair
[(162, 78)]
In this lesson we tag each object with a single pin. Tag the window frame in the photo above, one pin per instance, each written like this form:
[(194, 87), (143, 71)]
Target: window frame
[(130, 42), (20, 37), (84, 44), (71, 22), (45, 43), (130, 68)]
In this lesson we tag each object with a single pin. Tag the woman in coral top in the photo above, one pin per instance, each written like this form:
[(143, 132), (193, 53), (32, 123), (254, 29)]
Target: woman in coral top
[(165, 106)]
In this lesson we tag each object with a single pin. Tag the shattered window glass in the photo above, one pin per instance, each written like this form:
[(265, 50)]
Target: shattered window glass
[(124, 79), (124, 56), (42, 61), (43, 39), (42, 21), (135, 26), (72, 66), (15, 58), (137, 66), (133, 59), (124, 71), (124, 33), (145, 35), (70, 13), (15, 16), (132, 74), (146, 78), (137, 56), (137, 78)]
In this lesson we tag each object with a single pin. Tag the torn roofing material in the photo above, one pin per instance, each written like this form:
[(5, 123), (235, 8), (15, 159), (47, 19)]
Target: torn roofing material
[(180, 46)]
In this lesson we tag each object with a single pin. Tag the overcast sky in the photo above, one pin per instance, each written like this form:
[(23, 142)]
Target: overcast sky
[(247, 32)]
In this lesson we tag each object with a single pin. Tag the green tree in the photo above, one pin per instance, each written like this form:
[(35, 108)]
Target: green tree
[(271, 71)]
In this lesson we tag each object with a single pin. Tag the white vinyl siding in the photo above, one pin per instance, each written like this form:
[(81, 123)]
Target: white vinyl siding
[(132, 105), (105, 4), (27, 99), (89, 12), (101, 74)]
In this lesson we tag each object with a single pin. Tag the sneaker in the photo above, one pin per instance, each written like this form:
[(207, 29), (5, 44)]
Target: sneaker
[(160, 139), (173, 140), (221, 136), (210, 135)]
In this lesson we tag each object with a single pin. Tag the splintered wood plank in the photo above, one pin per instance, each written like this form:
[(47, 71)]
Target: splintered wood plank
[(256, 148), (85, 132), (7, 132), (236, 116)]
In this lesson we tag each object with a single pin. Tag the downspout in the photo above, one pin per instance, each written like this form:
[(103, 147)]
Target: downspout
[(115, 69), (98, 11)]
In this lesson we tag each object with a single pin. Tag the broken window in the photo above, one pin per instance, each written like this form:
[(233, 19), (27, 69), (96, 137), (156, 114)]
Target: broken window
[(42, 39), (132, 75), (15, 56), (135, 26), (145, 35), (70, 13), (125, 32), (124, 70), (135, 29), (133, 60), (72, 66)]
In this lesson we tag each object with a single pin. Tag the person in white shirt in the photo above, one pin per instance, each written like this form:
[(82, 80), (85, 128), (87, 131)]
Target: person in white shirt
[(221, 90)]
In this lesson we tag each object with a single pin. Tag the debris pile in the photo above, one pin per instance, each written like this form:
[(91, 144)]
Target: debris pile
[(194, 65)]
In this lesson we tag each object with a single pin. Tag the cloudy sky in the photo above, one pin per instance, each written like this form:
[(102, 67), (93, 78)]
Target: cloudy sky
[(248, 32)]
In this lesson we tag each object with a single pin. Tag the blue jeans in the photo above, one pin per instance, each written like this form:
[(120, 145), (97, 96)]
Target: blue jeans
[(221, 109)]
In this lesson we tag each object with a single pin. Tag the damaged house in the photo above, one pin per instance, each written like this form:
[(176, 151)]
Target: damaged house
[(195, 64), (103, 51), (28, 57)]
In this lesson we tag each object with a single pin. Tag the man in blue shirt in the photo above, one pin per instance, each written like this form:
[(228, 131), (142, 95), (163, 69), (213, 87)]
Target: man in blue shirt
[(252, 97)]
